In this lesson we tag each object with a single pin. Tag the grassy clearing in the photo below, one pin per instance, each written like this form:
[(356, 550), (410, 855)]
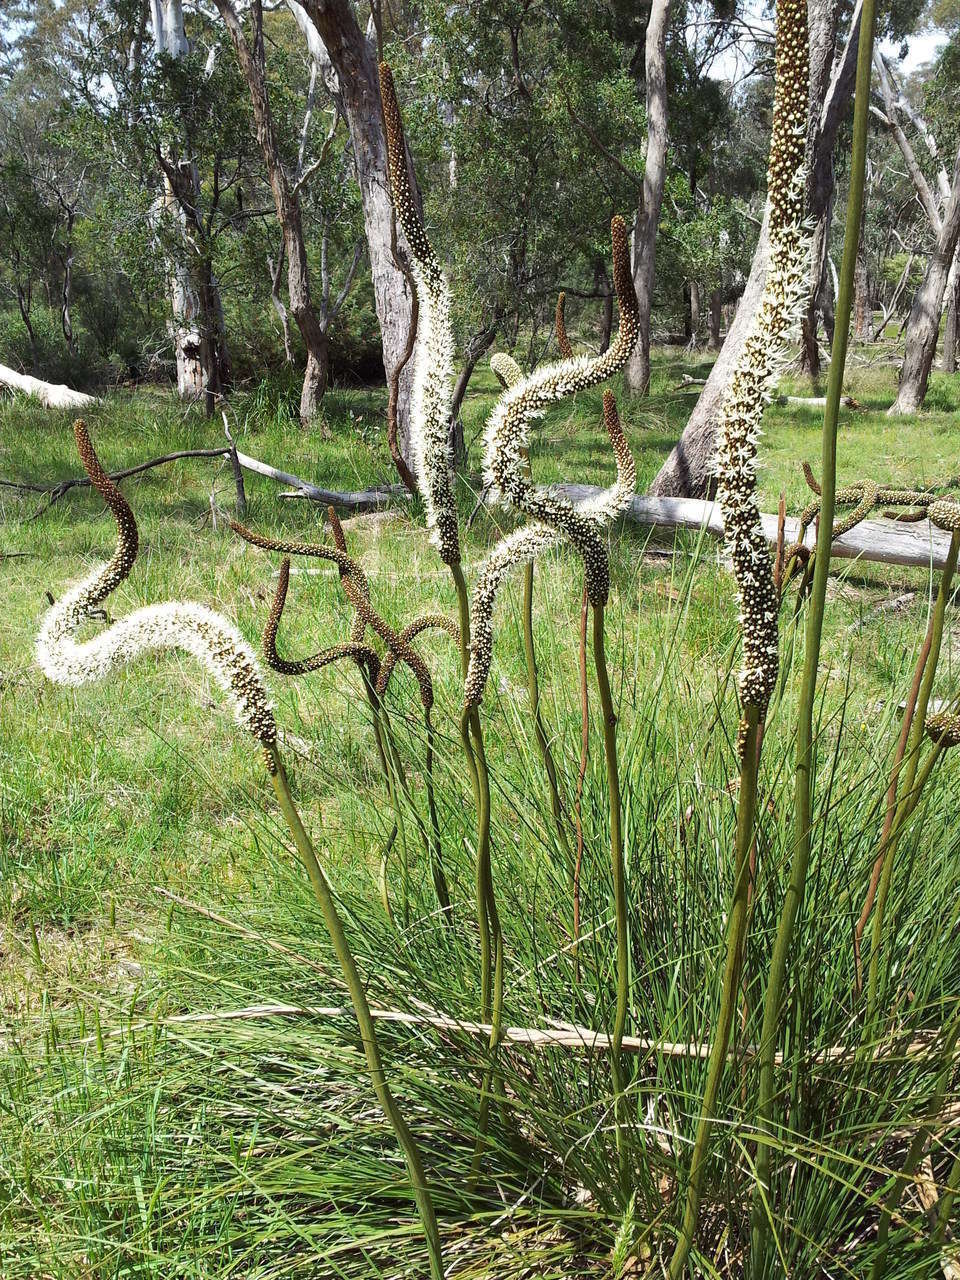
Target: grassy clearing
[(132, 1145)]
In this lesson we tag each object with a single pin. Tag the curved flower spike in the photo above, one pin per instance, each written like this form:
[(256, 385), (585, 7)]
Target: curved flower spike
[(424, 623), (508, 428), (357, 591), (367, 616), (943, 728), (535, 539), (176, 624), (362, 654), (432, 394), (515, 549)]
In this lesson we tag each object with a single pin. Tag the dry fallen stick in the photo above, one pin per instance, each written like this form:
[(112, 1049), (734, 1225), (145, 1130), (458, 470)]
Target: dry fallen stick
[(362, 500), (359, 500), (562, 1036)]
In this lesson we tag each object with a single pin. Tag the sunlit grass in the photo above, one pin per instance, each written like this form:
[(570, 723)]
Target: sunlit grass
[(250, 1147)]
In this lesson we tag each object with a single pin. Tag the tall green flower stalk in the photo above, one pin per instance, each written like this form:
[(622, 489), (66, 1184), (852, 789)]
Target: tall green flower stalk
[(761, 361), (803, 822), (223, 652), (432, 441), (554, 520)]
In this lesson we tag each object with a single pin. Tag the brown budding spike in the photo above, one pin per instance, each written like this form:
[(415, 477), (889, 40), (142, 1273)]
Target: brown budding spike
[(563, 341)]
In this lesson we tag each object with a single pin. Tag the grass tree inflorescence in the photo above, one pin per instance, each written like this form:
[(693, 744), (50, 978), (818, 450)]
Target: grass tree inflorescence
[(761, 361)]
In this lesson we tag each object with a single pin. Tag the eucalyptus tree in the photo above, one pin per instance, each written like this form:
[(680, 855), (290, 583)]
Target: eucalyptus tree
[(346, 55), (26, 231), (148, 100), (312, 323)]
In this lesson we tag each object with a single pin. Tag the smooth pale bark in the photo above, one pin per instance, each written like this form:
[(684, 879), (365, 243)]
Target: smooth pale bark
[(950, 329), (287, 204), (715, 319), (53, 395), (923, 326), (831, 84), (196, 320), (688, 470), (348, 59), (647, 219)]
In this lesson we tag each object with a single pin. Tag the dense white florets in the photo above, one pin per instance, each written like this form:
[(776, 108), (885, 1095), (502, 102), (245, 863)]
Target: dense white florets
[(192, 628), (762, 360), (431, 434), (506, 469)]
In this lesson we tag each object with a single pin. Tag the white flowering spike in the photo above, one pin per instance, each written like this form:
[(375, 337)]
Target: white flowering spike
[(763, 358), (508, 428), (193, 628), (432, 393), (506, 369), (556, 519), (515, 549)]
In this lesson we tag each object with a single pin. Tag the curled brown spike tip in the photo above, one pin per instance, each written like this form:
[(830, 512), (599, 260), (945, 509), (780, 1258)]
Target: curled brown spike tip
[(810, 478), (367, 616), (336, 528), (361, 654), (349, 569), (618, 441), (128, 541), (424, 623), (407, 214), (563, 341)]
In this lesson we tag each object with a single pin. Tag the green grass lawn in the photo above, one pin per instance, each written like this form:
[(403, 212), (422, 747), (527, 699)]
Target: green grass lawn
[(137, 1147)]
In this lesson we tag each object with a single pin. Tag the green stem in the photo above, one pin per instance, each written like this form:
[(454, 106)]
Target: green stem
[(375, 706), (488, 918), (436, 861), (905, 808), (533, 688), (814, 630), (915, 1152), (358, 996), (946, 1204), (736, 937), (608, 719), (911, 788)]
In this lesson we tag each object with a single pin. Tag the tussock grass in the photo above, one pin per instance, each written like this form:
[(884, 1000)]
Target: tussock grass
[(133, 1145)]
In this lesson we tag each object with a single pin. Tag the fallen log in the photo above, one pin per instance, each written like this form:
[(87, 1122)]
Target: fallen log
[(53, 395), (817, 402), (880, 541)]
